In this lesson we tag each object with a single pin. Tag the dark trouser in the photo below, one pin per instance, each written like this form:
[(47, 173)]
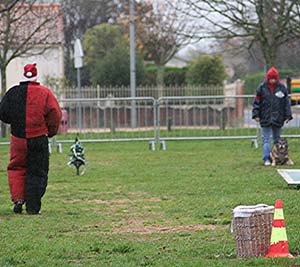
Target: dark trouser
[(28, 171)]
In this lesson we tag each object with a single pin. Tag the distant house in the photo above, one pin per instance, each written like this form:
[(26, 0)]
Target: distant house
[(177, 61), (50, 63)]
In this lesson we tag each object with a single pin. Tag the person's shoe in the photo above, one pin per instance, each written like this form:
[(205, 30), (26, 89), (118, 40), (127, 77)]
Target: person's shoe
[(267, 163), (33, 212), (18, 207)]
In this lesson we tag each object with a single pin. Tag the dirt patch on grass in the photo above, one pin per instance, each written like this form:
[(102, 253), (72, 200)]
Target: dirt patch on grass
[(117, 193), (138, 228), (123, 200), (113, 201)]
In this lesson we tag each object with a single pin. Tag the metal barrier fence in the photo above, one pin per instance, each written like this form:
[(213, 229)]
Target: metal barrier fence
[(109, 119), (213, 117), (141, 91), (206, 117), (167, 118), (163, 119)]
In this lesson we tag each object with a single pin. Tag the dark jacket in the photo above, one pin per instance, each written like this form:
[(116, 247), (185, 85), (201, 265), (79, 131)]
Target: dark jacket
[(273, 108)]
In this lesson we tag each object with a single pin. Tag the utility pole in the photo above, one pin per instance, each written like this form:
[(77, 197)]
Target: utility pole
[(132, 64)]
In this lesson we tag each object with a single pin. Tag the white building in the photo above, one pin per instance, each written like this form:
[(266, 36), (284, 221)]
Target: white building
[(50, 63)]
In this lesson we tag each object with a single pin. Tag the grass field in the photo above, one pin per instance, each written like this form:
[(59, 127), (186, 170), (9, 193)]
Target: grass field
[(136, 207)]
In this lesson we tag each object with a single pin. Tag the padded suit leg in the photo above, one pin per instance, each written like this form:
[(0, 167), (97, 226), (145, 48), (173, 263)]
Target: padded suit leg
[(16, 169), (37, 172)]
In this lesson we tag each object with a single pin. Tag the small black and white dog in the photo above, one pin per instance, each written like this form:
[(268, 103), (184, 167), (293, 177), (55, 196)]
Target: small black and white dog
[(280, 153)]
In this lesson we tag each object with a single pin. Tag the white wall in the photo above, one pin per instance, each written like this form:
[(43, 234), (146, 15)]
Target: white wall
[(50, 63)]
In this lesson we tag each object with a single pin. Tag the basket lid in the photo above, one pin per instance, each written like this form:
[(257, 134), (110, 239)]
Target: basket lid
[(247, 211)]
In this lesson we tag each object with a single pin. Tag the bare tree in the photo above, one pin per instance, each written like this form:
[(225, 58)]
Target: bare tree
[(269, 23), (157, 32), (26, 29), (6, 8), (286, 55)]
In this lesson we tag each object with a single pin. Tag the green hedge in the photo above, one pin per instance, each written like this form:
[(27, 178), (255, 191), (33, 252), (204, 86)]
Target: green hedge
[(252, 81), (172, 75), (150, 75)]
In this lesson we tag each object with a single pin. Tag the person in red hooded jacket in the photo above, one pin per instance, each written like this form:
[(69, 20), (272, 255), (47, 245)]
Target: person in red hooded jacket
[(34, 115), (271, 108)]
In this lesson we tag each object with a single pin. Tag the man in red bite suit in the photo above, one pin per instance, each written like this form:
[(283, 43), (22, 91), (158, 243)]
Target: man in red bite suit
[(34, 115)]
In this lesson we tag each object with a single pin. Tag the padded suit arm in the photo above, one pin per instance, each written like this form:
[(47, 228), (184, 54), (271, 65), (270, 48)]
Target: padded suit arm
[(53, 115)]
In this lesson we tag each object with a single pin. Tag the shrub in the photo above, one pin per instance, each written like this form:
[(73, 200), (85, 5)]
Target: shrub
[(252, 81), (174, 76), (206, 70), (150, 75)]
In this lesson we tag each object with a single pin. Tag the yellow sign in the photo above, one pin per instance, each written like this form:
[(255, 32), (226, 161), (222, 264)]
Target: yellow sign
[(295, 89)]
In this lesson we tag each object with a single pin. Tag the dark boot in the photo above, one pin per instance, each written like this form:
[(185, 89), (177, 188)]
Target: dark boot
[(33, 206), (18, 207)]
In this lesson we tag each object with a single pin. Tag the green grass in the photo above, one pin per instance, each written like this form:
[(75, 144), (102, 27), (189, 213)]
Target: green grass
[(136, 207)]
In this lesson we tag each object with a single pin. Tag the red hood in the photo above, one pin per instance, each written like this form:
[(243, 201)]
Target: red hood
[(272, 73)]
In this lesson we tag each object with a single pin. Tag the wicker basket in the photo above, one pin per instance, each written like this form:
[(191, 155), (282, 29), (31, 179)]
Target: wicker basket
[(252, 227)]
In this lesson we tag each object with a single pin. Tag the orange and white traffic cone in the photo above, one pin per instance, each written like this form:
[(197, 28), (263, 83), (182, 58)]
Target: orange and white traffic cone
[(279, 244)]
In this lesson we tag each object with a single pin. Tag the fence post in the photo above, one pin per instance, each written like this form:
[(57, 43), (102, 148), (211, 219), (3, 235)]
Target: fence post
[(156, 121)]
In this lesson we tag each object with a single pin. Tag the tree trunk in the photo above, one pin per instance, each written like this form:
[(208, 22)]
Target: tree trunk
[(160, 79), (3, 90), (270, 55)]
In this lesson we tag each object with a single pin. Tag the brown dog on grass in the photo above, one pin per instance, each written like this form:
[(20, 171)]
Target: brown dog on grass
[(280, 153)]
